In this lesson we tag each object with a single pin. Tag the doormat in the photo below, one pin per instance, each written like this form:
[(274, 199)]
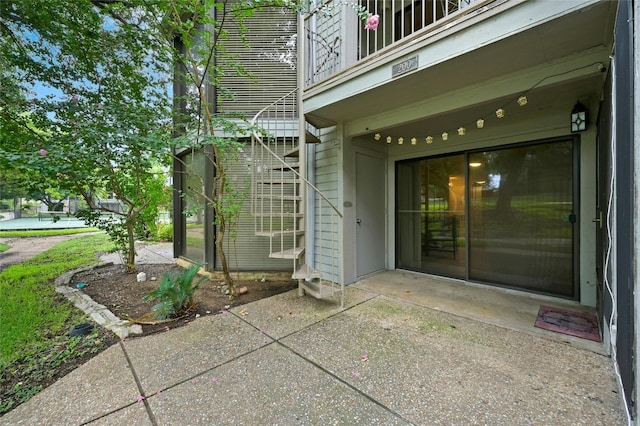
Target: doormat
[(579, 324)]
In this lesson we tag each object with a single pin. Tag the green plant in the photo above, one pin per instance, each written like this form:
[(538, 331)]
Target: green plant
[(31, 312), (165, 232), (175, 293), (46, 232)]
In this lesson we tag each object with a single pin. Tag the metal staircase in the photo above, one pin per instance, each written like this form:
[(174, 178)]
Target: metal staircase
[(281, 195)]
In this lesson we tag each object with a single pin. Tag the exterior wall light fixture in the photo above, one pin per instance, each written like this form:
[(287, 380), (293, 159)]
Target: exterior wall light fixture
[(579, 118)]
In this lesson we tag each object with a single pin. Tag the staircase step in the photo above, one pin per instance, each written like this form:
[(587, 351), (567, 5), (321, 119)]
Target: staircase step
[(319, 122), (284, 233), (293, 253), (306, 272), (278, 181), (278, 214), (289, 166), (295, 152), (279, 197), (311, 138), (318, 290)]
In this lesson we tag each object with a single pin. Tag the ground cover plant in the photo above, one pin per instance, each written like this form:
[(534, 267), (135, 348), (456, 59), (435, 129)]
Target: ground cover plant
[(34, 347), (175, 293), (46, 232)]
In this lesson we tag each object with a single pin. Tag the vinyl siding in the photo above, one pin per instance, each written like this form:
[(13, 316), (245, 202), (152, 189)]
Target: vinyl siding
[(326, 170), (248, 252), (269, 56)]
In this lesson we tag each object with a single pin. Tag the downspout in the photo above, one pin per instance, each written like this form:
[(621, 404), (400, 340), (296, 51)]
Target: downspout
[(636, 190), (306, 153)]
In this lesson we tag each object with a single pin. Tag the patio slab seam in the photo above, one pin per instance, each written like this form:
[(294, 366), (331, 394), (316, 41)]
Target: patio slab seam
[(142, 397), (345, 383), (273, 341), (278, 341), (205, 371), (123, 407)]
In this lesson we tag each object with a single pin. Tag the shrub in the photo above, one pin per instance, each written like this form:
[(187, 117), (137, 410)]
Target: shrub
[(175, 293), (165, 232)]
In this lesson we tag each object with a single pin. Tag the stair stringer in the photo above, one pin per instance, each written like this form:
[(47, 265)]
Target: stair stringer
[(280, 192)]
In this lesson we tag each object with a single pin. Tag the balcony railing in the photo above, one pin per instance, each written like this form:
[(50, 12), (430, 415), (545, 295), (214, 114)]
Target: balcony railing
[(336, 39)]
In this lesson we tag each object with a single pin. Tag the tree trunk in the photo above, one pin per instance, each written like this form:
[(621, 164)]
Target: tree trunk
[(17, 211), (223, 261), (131, 252), (219, 186)]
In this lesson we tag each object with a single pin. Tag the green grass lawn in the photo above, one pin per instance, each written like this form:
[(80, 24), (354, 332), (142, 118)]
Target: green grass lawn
[(4, 247), (34, 319), (46, 232)]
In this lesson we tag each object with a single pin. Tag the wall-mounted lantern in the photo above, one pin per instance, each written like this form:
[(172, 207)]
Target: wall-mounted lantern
[(579, 118)]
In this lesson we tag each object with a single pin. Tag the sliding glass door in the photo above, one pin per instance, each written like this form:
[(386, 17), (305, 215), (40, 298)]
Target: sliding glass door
[(194, 206), (431, 215), (521, 219), (518, 204)]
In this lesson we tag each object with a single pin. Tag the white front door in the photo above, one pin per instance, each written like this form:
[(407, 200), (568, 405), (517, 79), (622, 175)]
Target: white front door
[(370, 214)]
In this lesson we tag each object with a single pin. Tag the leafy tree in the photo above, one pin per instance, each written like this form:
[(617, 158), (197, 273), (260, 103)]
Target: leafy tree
[(84, 102), (83, 97)]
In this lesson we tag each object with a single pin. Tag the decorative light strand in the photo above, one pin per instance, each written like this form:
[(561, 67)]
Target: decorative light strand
[(500, 112)]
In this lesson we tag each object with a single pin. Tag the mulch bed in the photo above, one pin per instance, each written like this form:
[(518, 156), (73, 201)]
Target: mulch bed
[(118, 290)]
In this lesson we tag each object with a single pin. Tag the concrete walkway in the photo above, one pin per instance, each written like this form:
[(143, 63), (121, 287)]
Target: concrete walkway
[(290, 360), (25, 248)]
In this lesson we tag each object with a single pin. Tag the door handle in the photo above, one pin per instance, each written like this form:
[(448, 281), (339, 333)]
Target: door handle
[(598, 219), (358, 221)]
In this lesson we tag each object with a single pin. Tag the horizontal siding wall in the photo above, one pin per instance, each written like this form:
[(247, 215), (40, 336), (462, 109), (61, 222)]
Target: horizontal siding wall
[(268, 54), (248, 252), (326, 174)]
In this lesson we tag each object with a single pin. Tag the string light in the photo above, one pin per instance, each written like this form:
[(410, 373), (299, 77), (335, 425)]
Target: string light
[(521, 100)]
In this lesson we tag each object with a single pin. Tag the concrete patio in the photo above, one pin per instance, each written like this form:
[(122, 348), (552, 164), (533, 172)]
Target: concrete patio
[(392, 356)]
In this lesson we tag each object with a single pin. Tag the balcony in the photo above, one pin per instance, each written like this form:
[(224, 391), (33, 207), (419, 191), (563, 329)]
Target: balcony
[(484, 51), (336, 39)]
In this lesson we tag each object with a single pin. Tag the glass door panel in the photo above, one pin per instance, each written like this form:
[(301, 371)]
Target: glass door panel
[(194, 206), (521, 217), (431, 226)]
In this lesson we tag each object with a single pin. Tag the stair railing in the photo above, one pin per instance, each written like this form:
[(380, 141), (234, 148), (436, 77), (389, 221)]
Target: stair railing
[(278, 207)]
